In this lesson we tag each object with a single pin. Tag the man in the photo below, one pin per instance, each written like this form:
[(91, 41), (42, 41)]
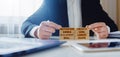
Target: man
[(93, 17)]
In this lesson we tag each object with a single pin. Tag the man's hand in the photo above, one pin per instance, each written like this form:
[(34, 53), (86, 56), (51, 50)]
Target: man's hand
[(100, 29), (46, 29)]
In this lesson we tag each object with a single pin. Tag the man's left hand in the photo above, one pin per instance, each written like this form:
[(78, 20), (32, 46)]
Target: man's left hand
[(100, 29)]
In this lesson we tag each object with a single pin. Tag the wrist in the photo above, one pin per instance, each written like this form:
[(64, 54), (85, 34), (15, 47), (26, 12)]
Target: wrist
[(108, 28), (33, 32), (36, 33)]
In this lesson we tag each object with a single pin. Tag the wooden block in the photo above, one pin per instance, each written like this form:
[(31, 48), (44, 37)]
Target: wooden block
[(74, 34), (67, 33), (82, 34)]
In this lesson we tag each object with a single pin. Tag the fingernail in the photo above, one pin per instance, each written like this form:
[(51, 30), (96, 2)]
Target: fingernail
[(95, 29)]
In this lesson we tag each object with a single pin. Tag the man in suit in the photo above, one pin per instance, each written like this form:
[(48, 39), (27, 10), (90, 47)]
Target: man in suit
[(93, 16)]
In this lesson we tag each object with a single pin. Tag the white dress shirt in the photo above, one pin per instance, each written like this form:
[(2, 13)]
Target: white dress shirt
[(74, 15)]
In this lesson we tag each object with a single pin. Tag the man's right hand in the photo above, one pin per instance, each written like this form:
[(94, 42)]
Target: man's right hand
[(45, 29)]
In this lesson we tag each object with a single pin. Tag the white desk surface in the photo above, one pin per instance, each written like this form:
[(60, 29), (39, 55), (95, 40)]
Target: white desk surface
[(69, 51)]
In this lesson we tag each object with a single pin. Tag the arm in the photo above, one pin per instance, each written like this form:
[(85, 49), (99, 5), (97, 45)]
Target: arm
[(26, 28), (100, 29), (105, 18), (43, 31), (53, 10), (98, 19), (93, 12)]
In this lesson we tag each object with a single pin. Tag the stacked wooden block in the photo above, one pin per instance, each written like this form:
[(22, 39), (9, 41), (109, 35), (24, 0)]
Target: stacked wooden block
[(74, 33)]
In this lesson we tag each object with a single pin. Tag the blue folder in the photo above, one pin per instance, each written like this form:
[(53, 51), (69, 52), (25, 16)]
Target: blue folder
[(15, 47)]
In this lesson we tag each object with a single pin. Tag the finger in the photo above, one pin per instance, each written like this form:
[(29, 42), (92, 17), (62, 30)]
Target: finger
[(46, 33), (45, 37), (96, 30), (43, 34), (96, 25), (101, 29), (102, 35), (54, 25), (48, 29), (51, 24)]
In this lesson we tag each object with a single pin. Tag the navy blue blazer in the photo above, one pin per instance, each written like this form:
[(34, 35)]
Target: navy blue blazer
[(56, 11)]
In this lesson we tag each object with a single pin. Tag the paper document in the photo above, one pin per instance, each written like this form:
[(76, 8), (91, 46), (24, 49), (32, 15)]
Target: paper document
[(115, 34)]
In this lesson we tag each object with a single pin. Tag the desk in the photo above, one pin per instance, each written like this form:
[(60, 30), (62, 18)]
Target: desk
[(69, 51)]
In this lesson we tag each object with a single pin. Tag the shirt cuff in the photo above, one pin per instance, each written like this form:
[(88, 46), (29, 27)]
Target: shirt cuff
[(33, 31), (108, 29)]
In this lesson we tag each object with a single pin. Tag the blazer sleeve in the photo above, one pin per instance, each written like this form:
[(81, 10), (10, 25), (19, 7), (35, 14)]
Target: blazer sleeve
[(26, 28), (103, 15), (92, 12), (53, 10)]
